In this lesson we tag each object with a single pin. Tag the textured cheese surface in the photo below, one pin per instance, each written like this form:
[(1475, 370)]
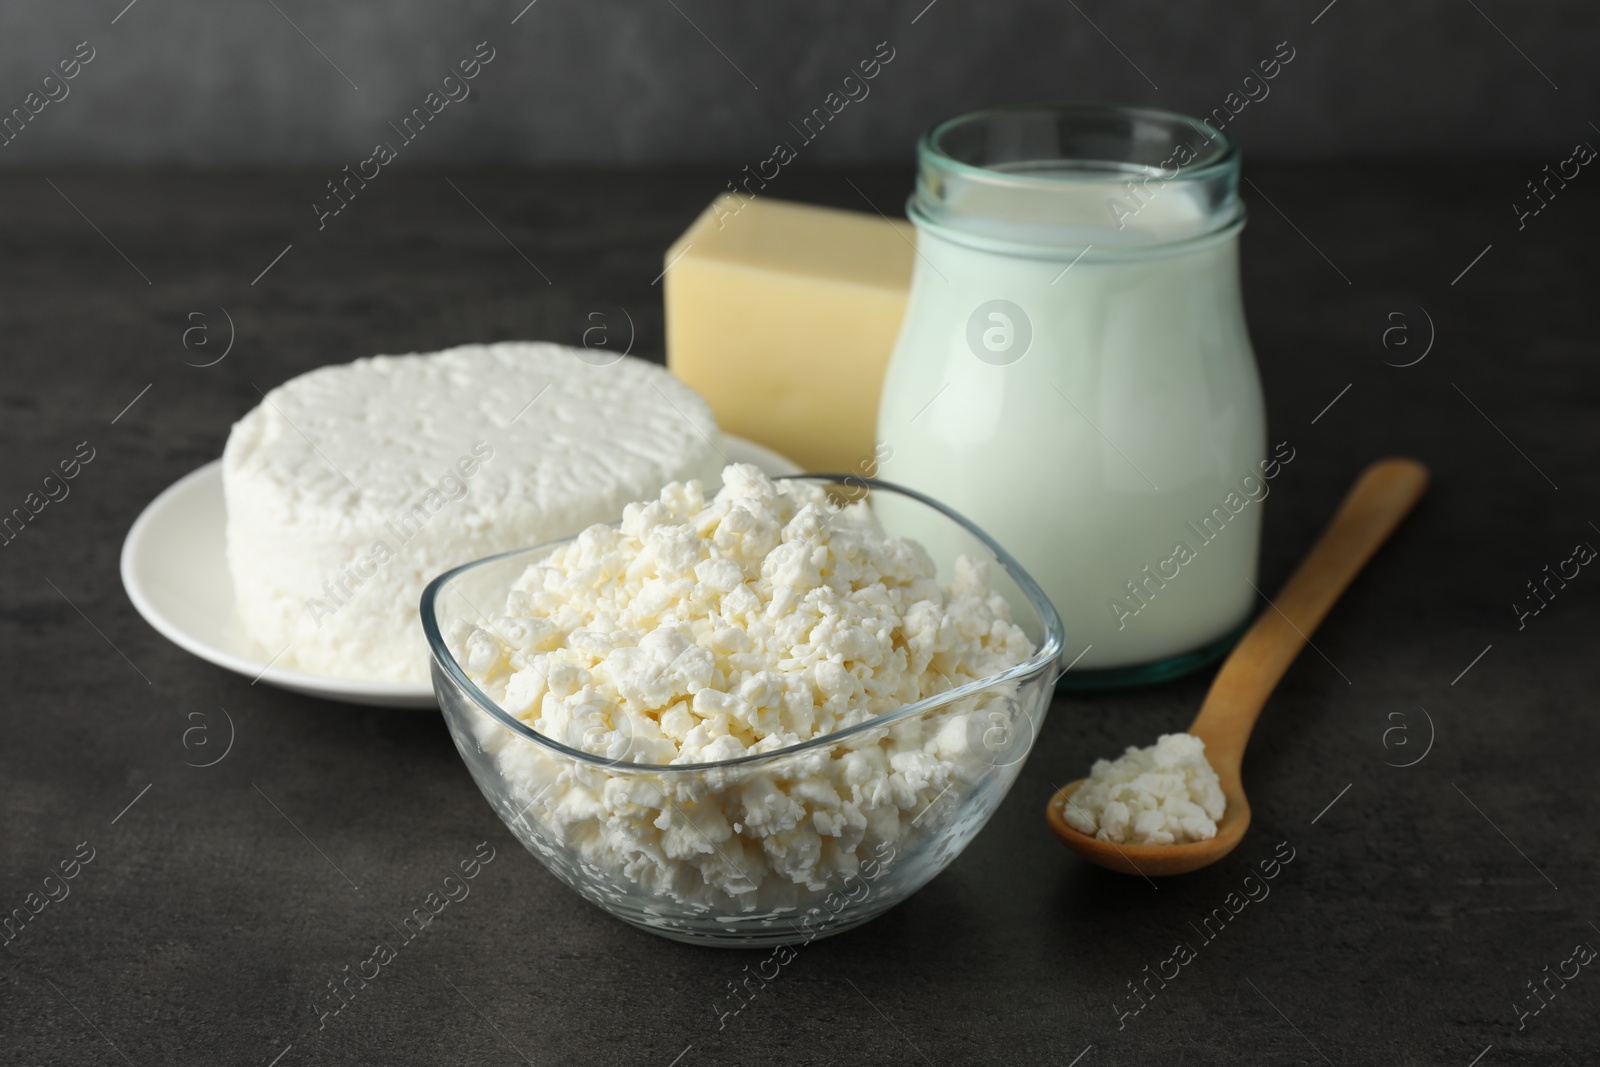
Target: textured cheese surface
[(701, 631), (1165, 794), (783, 317), (350, 487)]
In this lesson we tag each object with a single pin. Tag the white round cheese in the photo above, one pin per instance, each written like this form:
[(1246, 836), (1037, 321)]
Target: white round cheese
[(350, 487)]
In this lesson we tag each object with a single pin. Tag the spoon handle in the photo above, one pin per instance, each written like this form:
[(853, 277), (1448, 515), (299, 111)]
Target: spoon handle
[(1381, 497)]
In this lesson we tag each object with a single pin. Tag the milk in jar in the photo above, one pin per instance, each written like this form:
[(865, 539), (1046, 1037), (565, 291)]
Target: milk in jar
[(1074, 373)]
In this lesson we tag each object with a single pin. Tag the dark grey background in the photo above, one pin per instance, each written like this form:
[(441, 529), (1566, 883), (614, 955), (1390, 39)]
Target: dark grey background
[(1419, 904), (218, 84), (1422, 900)]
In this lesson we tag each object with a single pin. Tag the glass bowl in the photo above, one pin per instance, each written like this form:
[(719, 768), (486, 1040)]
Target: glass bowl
[(734, 852)]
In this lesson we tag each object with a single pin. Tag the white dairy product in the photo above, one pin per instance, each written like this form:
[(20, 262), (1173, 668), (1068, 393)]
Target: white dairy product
[(1074, 372), (705, 631), (350, 487), (1161, 795), (1132, 416)]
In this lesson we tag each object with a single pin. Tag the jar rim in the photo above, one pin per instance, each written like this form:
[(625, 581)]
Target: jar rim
[(1054, 176), (930, 144)]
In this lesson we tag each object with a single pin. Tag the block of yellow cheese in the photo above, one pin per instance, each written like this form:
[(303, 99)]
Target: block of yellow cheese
[(783, 316)]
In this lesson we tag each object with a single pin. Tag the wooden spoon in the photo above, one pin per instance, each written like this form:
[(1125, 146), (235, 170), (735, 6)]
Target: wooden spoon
[(1381, 497)]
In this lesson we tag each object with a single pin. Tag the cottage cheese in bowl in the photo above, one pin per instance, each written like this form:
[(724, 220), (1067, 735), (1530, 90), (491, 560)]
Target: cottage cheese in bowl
[(753, 640)]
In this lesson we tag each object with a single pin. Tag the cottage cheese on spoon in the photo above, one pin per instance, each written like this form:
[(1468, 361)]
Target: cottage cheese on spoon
[(1161, 795)]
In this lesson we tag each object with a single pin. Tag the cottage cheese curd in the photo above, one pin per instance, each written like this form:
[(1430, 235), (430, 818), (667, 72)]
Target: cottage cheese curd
[(1161, 795), (700, 631), (350, 487)]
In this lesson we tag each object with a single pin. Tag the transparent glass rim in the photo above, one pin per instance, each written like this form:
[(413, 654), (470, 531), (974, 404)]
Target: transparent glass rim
[(1045, 180), (929, 145), (1047, 655)]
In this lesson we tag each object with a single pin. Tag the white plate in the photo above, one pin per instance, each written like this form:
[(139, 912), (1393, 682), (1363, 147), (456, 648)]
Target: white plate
[(175, 569)]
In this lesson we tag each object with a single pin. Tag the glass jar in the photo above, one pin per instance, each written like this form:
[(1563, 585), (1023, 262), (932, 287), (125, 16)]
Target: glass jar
[(1074, 373)]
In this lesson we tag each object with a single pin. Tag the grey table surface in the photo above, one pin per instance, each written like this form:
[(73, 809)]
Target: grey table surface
[(1421, 900)]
